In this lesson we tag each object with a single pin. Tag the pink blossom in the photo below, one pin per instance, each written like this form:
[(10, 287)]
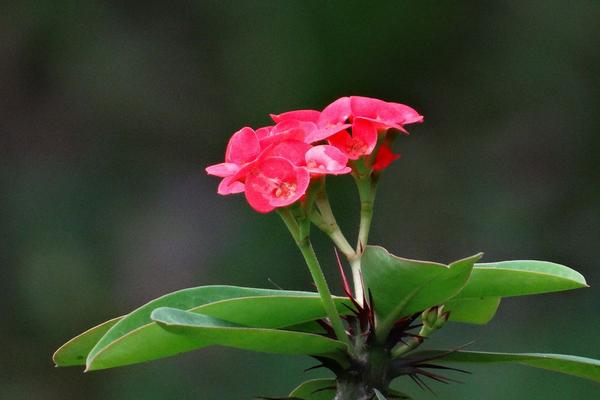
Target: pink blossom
[(275, 182), (273, 165)]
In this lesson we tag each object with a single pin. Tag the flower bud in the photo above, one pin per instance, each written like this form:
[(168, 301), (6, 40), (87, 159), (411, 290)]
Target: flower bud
[(434, 317)]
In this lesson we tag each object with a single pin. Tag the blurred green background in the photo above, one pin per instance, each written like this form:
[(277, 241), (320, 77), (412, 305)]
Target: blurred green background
[(110, 111)]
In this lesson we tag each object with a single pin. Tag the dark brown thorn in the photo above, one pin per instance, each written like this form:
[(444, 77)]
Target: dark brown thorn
[(417, 377), (435, 377), (371, 309), (355, 312), (422, 385), (324, 388), (419, 384), (328, 328), (439, 355), (314, 367), (435, 366), (443, 378)]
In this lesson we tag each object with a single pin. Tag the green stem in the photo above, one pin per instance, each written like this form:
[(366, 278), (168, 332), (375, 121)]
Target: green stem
[(329, 226), (412, 343), (433, 319), (366, 191), (325, 220), (357, 280), (303, 241)]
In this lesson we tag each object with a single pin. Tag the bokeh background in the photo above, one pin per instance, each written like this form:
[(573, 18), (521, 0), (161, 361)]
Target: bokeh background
[(110, 111)]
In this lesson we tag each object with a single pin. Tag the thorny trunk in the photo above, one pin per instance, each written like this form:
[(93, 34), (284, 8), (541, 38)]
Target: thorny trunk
[(370, 371)]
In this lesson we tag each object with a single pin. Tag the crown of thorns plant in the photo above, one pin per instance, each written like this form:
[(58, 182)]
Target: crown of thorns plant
[(370, 337)]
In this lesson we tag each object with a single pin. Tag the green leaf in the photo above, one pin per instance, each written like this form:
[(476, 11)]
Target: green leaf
[(472, 310), (75, 351), (401, 287), (254, 307), (315, 389), (378, 395), (571, 365), (309, 327), (190, 331), (517, 278)]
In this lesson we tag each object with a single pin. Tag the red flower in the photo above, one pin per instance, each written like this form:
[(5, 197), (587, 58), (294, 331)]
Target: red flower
[(275, 182), (274, 164)]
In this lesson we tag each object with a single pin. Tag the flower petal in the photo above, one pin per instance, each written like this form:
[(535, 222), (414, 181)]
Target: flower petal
[(223, 169), (275, 182), (300, 115), (292, 150), (364, 137), (243, 147), (326, 159), (230, 185), (288, 130), (336, 113), (406, 114)]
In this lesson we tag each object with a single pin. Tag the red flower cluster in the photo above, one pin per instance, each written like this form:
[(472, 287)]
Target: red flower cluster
[(273, 165)]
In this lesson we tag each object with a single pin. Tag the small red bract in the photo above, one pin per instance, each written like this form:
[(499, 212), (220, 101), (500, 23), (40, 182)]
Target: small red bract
[(274, 165)]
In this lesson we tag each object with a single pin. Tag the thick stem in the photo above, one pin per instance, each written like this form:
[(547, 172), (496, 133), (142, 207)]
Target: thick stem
[(371, 371), (302, 239)]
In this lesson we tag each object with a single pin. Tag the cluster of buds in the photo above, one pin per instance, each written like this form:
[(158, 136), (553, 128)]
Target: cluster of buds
[(274, 165), (433, 319)]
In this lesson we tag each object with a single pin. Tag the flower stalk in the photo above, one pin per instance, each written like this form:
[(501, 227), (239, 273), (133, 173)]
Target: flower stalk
[(300, 230), (433, 319)]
